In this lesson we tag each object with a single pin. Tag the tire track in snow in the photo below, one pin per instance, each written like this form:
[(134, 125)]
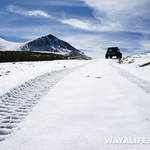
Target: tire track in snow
[(144, 85), (16, 104)]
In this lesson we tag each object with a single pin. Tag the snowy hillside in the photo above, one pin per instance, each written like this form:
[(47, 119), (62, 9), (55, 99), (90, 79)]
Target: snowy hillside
[(7, 46), (75, 104)]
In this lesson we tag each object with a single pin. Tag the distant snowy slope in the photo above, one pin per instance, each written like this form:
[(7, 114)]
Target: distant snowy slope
[(6, 45)]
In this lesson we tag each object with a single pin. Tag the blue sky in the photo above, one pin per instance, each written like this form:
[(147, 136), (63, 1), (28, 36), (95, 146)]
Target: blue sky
[(89, 25)]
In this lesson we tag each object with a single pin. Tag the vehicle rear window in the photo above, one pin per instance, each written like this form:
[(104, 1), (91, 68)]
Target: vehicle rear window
[(111, 50)]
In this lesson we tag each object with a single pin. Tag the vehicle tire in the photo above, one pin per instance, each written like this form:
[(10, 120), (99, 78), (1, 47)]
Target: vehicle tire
[(106, 56), (120, 55), (111, 57), (117, 56)]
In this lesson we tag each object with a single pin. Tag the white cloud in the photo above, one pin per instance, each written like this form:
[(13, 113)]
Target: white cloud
[(90, 26), (77, 23), (38, 12), (18, 10)]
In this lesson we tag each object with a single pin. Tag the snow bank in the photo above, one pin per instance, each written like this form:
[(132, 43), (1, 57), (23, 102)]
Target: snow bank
[(133, 65)]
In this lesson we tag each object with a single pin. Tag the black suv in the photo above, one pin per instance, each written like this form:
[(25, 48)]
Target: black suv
[(113, 51)]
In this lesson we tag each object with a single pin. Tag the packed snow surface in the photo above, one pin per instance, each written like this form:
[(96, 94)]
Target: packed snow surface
[(74, 105)]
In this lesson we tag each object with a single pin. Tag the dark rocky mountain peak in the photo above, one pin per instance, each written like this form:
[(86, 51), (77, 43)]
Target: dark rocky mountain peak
[(48, 43)]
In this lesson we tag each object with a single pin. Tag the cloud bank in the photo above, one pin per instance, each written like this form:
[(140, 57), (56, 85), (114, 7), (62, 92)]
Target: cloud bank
[(118, 15)]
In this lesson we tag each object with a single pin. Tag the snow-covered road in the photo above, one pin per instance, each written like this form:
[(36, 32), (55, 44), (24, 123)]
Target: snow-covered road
[(91, 104)]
